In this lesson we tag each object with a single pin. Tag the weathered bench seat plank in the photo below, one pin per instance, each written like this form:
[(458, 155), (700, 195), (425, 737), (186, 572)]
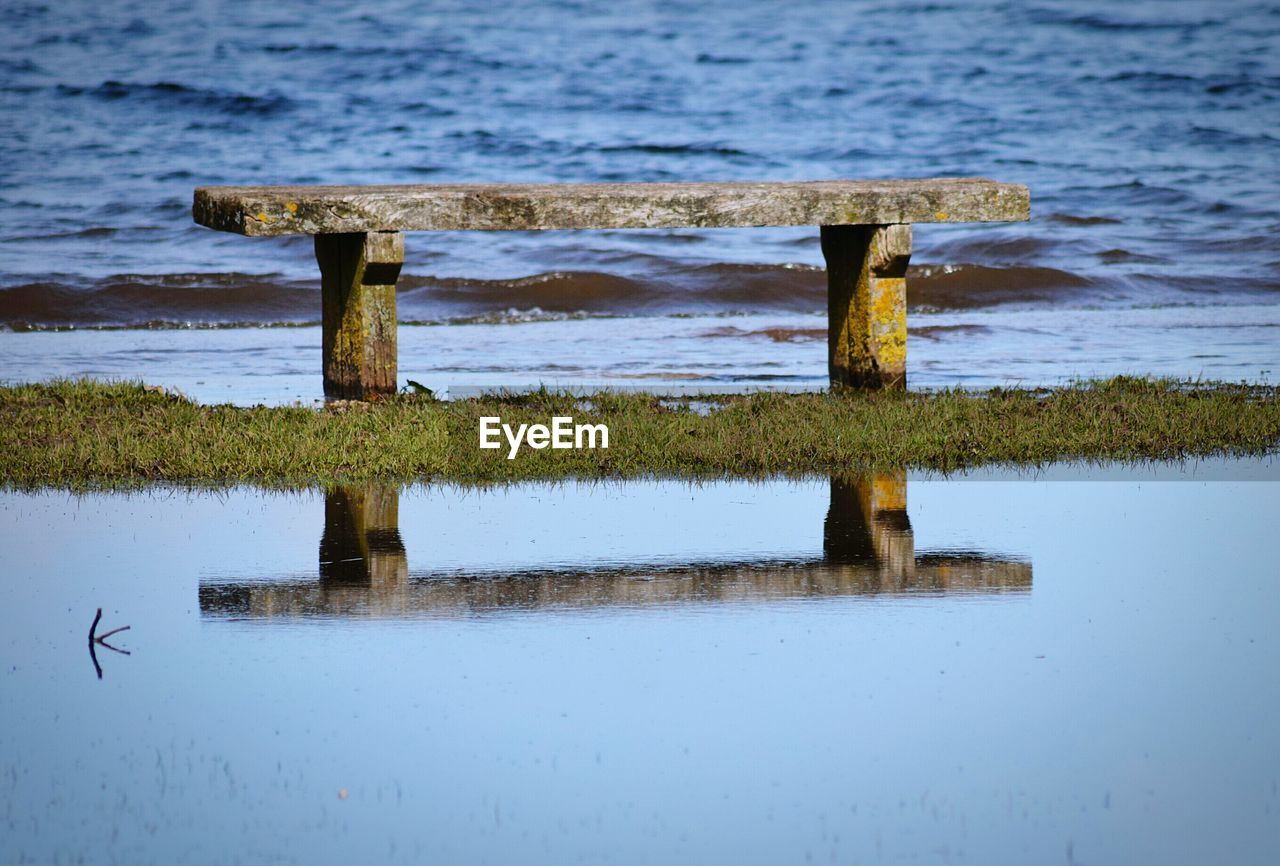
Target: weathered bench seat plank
[(313, 210)]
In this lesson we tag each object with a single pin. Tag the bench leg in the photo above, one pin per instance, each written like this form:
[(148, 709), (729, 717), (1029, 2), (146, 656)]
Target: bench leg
[(358, 274), (867, 305)]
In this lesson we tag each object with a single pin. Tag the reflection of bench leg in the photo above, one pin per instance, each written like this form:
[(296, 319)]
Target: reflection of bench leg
[(867, 304), (867, 524), (358, 274), (845, 538), (884, 497), (361, 543)]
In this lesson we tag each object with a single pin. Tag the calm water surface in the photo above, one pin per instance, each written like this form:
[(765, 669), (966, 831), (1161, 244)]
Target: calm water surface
[(870, 670), (1146, 132)]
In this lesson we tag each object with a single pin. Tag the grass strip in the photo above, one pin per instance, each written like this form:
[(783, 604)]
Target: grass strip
[(86, 434)]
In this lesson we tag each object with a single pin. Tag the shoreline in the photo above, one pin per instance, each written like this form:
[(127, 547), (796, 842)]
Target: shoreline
[(99, 435), (979, 349)]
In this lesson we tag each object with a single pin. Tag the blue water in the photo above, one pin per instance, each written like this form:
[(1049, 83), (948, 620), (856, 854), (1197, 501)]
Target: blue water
[(1039, 671), (1146, 133), (1007, 671)]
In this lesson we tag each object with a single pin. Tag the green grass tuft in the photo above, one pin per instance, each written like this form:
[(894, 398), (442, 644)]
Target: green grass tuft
[(93, 434)]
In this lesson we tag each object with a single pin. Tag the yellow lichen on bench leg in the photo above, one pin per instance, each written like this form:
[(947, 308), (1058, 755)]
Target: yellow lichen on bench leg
[(867, 304), (358, 274)]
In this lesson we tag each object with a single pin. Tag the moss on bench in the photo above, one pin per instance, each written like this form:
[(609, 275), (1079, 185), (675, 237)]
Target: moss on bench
[(311, 210)]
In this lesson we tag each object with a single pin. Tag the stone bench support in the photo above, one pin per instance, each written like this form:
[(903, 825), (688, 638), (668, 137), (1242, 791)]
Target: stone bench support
[(867, 304), (358, 273), (865, 226)]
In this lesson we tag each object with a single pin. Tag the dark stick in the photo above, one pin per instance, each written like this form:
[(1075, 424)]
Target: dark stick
[(95, 638), (93, 655)]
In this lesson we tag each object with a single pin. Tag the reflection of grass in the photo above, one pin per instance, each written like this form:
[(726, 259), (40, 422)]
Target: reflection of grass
[(89, 434)]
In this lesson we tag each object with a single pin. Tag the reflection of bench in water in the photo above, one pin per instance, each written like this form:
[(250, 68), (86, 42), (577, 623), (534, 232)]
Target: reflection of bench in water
[(868, 548)]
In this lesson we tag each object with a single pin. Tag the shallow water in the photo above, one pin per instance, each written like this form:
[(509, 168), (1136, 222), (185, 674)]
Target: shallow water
[(1146, 134), (992, 669), (696, 353)]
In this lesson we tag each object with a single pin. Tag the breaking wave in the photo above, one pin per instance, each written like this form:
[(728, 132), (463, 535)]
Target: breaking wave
[(248, 300)]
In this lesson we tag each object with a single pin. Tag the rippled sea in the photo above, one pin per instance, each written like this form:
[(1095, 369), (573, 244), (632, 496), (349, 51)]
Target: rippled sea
[(1147, 132)]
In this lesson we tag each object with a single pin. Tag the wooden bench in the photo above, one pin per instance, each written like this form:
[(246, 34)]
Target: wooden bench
[(865, 228)]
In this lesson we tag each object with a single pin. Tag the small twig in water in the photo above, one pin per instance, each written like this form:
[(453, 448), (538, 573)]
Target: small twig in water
[(95, 638), (102, 639)]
